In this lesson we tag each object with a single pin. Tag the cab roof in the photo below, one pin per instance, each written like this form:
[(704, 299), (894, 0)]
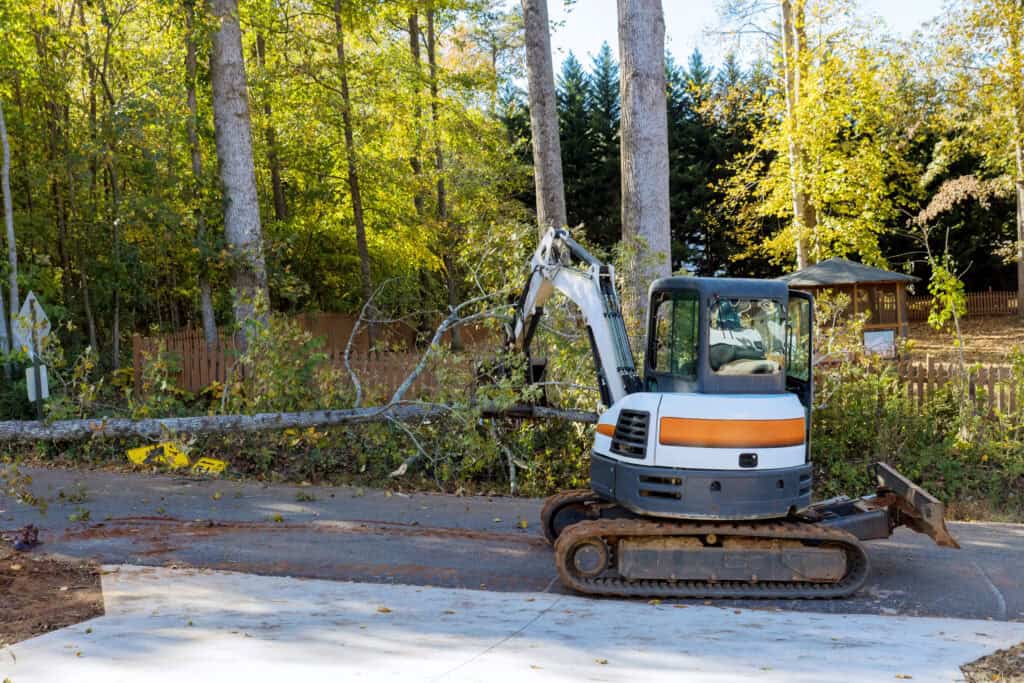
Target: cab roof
[(730, 287)]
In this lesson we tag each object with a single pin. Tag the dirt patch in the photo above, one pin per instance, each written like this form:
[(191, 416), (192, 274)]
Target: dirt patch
[(42, 594), (1005, 666), (986, 340)]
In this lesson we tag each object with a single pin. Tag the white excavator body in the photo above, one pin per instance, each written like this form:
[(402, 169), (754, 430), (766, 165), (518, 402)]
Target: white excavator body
[(701, 473)]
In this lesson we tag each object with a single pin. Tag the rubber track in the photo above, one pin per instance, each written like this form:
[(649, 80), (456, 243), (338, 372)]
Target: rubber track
[(556, 502), (614, 585)]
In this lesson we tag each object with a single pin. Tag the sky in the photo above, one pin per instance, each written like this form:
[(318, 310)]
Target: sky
[(690, 24)]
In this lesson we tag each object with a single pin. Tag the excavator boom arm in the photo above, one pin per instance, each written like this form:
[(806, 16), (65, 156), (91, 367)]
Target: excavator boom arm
[(561, 264)]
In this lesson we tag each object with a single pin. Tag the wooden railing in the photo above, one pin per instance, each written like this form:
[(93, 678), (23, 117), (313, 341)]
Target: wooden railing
[(978, 304), (991, 388), (200, 365)]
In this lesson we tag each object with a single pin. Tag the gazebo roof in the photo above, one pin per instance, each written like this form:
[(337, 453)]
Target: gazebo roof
[(840, 271)]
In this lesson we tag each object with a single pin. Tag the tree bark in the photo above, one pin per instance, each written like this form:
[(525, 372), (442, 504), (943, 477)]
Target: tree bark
[(115, 199), (12, 253), (5, 187), (233, 132), (644, 159), (205, 292), (793, 49), (1015, 40), (280, 208), (451, 239), (419, 199), (547, 154), (353, 171), (164, 428)]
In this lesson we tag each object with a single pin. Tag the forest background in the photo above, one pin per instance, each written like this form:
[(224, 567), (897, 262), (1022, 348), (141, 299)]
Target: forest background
[(391, 160)]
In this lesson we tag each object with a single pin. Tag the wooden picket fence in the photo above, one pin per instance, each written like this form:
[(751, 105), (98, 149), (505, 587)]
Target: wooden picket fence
[(200, 365), (992, 388), (978, 304)]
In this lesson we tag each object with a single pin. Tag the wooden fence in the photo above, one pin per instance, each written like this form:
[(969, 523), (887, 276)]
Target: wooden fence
[(991, 388), (978, 304), (200, 365)]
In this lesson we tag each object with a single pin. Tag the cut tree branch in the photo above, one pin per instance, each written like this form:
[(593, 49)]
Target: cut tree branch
[(157, 428)]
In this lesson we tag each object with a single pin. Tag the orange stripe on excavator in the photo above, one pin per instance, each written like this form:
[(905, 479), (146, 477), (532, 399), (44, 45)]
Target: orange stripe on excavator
[(606, 429), (702, 433)]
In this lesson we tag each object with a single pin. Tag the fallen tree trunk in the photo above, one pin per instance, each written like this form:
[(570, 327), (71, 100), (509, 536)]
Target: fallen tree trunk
[(156, 428)]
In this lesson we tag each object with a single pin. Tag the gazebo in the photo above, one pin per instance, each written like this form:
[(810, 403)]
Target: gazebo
[(881, 293)]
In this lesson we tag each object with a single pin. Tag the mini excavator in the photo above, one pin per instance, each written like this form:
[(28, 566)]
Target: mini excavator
[(700, 472)]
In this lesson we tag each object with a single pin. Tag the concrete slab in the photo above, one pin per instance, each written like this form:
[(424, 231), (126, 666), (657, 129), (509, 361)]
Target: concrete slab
[(202, 625)]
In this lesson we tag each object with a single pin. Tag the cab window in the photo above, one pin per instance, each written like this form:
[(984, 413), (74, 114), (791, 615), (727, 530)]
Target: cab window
[(746, 337), (799, 342), (673, 345)]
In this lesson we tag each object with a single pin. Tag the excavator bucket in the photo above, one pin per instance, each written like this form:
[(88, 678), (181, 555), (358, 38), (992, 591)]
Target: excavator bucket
[(911, 505)]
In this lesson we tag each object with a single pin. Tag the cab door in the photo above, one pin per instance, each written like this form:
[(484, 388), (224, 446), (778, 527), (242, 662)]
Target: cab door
[(800, 347)]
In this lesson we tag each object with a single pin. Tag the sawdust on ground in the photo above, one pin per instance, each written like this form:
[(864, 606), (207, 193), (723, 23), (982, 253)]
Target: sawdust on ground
[(1005, 666), (42, 594)]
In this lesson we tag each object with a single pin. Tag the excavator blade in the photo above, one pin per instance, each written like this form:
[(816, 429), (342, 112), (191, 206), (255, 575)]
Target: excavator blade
[(911, 505)]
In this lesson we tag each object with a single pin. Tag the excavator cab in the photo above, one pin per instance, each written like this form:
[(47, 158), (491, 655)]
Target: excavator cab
[(701, 469)]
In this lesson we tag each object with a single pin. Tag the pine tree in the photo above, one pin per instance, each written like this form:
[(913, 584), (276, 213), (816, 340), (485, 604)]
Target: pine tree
[(604, 178), (574, 132)]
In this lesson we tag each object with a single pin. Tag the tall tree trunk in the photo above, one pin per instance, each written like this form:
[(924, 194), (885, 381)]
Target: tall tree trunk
[(547, 154), (644, 135), (233, 133), (793, 50), (1015, 40), (450, 238), (205, 292), (12, 253), (353, 170), (280, 208), (115, 198), (5, 187), (419, 197)]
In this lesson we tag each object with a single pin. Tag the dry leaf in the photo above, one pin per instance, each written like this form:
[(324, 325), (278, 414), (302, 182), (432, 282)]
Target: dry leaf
[(904, 676), (601, 661), (217, 495), (383, 610), (654, 602)]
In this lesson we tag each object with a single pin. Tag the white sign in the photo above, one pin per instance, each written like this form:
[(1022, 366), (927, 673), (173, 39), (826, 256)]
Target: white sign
[(881, 343), (30, 379), (22, 325)]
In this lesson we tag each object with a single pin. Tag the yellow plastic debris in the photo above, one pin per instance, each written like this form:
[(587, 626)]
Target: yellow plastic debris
[(208, 466), (166, 454)]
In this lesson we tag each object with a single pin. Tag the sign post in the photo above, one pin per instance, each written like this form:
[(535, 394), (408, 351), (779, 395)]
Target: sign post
[(35, 367), (31, 327)]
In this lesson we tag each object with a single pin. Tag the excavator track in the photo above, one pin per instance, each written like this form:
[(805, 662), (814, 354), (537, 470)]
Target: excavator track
[(587, 555), (566, 508)]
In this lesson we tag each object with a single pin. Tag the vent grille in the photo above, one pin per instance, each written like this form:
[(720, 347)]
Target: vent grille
[(630, 437)]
